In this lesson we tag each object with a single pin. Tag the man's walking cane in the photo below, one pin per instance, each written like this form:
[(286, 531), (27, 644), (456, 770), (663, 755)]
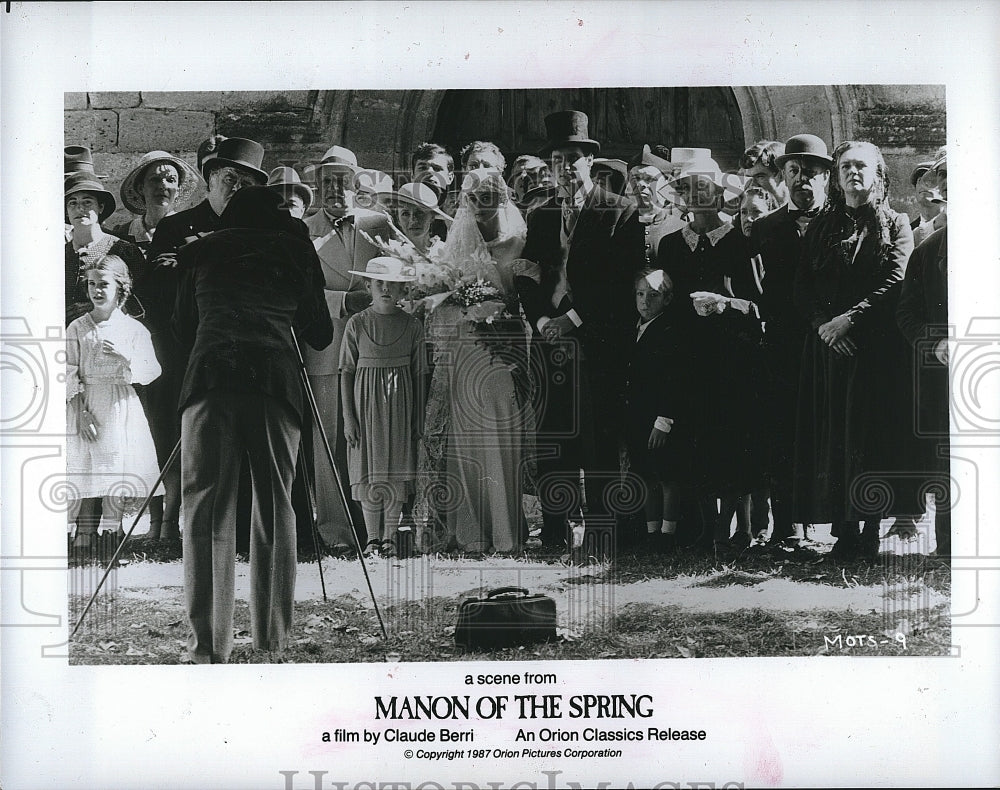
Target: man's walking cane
[(336, 474), (107, 571)]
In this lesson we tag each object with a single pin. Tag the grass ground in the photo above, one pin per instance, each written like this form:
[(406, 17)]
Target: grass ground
[(642, 606)]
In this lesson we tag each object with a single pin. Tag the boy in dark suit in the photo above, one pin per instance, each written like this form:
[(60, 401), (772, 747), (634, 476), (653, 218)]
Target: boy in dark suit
[(655, 414)]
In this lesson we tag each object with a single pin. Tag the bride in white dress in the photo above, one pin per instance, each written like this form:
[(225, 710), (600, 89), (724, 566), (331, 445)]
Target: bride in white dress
[(479, 416)]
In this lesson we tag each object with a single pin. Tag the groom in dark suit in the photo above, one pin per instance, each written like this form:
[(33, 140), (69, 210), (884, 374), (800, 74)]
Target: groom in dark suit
[(583, 250)]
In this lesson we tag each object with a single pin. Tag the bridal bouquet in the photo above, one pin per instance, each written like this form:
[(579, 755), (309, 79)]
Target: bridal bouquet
[(468, 286)]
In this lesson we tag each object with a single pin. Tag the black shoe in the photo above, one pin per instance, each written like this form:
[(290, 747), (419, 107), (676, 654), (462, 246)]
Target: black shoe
[(666, 543), (724, 551), (740, 542), (868, 552), (844, 551)]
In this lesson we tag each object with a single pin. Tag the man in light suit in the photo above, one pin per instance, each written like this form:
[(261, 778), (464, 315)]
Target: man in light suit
[(337, 231), (583, 250)]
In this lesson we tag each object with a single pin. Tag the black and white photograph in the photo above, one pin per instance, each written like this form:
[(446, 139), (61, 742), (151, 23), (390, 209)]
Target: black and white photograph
[(474, 355), (575, 400)]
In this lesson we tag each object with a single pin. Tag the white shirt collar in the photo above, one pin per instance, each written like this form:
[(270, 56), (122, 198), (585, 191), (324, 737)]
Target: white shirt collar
[(713, 236), (641, 325)]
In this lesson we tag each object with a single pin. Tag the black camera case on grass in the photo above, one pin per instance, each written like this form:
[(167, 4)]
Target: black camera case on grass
[(506, 617)]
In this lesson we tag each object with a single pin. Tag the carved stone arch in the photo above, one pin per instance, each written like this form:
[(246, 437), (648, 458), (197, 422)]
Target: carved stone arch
[(843, 103), (330, 114), (757, 113), (418, 110)]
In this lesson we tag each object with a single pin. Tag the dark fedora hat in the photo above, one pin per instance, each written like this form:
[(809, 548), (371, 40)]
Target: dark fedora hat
[(568, 127), (78, 159), (87, 182), (238, 152), (804, 146)]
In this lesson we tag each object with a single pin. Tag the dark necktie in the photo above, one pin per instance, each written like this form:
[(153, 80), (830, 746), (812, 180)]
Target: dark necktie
[(795, 213)]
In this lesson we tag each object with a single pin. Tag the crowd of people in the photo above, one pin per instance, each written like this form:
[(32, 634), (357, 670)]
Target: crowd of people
[(653, 348)]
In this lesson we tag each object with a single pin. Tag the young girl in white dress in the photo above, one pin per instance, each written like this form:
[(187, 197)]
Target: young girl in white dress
[(109, 449), (382, 363)]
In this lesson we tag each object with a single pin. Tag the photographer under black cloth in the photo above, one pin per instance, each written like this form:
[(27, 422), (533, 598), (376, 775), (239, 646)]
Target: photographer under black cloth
[(242, 290)]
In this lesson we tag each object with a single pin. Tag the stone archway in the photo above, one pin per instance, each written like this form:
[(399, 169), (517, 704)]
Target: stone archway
[(402, 119), (623, 119)]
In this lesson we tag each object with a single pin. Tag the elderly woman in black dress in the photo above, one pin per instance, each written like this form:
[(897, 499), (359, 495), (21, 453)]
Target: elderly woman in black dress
[(849, 418)]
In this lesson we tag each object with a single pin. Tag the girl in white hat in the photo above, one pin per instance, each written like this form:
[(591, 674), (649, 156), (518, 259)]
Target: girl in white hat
[(382, 365)]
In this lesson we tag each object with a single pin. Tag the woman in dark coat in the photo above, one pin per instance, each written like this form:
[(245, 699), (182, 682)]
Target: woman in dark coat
[(852, 402), (723, 333)]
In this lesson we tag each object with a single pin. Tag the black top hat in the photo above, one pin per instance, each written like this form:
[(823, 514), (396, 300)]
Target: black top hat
[(804, 146), (237, 152), (78, 159), (87, 182), (568, 127)]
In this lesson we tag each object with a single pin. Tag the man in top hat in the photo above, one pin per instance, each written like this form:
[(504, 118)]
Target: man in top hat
[(575, 280), (338, 231), (241, 292), (776, 244), (236, 164)]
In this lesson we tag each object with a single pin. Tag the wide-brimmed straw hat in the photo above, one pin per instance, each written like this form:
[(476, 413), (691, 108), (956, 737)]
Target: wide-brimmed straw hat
[(568, 127), (238, 152), (87, 182), (282, 178), (131, 188), (78, 159), (804, 146), (388, 269), (417, 194)]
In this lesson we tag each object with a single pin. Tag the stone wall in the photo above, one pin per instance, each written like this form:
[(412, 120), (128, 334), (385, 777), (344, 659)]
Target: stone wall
[(120, 127), (295, 127), (908, 123)]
